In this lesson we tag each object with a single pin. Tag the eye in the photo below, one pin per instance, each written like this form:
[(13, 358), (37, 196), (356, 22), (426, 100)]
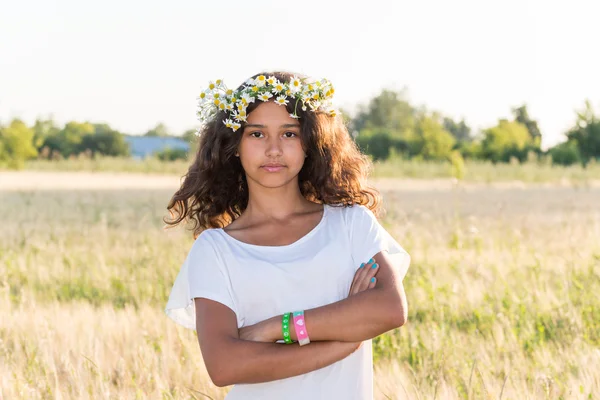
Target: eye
[(255, 134), (290, 134)]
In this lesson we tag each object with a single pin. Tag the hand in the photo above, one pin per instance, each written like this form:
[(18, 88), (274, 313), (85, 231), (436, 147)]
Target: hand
[(364, 278), (264, 331)]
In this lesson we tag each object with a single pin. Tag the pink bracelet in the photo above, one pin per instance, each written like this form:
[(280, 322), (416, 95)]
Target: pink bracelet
[(300, 327)]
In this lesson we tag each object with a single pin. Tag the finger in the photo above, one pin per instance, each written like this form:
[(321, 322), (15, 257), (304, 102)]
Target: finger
[(359, 276), (373, 269), (356, 279), (366, 282), (364, 269), (372, 282)]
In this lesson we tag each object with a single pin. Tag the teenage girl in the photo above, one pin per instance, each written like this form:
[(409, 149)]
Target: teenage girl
[(291, 275)]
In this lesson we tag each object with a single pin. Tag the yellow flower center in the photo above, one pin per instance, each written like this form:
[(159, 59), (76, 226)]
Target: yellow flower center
[(255, 88), (211, 86)]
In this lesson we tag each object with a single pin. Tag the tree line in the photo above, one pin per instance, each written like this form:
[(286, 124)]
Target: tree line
[(388, 126)]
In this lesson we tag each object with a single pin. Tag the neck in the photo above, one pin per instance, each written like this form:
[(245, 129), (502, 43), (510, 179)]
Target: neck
[(274, 203)]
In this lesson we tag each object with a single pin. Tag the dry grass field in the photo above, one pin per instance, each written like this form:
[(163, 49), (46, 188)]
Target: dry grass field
[(503, 291)]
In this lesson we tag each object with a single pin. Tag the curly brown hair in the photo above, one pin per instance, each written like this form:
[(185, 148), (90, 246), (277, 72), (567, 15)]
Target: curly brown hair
[(214, 191)]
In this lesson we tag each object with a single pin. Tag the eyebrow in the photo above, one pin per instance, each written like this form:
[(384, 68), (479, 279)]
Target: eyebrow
[(264, 126)]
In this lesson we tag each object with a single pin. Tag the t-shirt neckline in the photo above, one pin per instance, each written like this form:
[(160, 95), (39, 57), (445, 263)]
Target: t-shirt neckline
[(304, 238)]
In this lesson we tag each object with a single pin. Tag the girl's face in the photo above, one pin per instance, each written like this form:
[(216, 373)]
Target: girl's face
[(271, 150)]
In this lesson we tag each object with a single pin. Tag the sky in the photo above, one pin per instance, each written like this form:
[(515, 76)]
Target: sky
[(133, 64)]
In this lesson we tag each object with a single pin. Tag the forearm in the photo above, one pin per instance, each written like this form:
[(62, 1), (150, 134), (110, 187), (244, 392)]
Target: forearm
[(357, 318), (255, 362)]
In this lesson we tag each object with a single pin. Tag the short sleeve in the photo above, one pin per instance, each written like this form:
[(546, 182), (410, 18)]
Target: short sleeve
[(368, 237), (201, 275)]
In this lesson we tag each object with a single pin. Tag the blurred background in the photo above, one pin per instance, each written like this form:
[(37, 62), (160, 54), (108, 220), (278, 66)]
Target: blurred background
[(482, 121)]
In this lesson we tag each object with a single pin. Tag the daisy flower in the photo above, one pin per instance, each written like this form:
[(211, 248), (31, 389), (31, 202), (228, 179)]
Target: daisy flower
[(265, 96), (272, 81), (295, 85), (239, 115), (281, 100), (228, 122), (247, 99), (278, 87), (235, 126), (260, 81)]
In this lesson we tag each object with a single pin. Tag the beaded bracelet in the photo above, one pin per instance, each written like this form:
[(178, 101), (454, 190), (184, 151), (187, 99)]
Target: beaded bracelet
[(285, 328)]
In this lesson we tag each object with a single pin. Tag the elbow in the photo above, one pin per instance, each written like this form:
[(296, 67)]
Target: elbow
[(220, 371), (399, 313), (218, 377)]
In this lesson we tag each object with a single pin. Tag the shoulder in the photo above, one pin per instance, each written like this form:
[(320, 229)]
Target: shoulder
[(353, 211), (353, 215), (206, 241)]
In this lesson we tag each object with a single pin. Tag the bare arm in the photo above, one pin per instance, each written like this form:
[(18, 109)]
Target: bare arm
[(362, 316), (365, 315), (230, 360)]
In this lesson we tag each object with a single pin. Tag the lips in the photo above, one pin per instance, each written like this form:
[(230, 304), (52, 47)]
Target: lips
[(273, 167)]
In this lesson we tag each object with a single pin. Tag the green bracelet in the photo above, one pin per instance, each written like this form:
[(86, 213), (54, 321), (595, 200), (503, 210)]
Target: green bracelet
[(285, 328)]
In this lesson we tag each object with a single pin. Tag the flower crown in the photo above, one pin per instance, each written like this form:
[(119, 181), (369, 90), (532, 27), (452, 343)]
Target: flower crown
[(315, 94)]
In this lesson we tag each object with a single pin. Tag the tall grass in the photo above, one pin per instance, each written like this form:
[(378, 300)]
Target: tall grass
[(503, 297)]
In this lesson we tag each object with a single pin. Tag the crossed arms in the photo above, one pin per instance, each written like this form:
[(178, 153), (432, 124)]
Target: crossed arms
[(336, 331)]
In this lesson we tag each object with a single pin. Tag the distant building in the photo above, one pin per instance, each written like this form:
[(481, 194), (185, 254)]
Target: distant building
[(145, 146)]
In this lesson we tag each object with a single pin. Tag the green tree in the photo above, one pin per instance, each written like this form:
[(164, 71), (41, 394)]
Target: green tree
[(16, 144), (505, 140), (586, 133), (190, 136), (460, 130), (42, 129), (431, 140), (105, 141), (390, 111), (68, 140), (522, 115), (565, 153), (159, 130), (376, 143), (169, 154)]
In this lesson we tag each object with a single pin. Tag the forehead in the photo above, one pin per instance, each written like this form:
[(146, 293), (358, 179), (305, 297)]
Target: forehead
[(269, 113)]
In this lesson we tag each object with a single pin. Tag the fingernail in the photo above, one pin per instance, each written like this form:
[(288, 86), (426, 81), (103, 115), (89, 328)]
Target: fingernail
[(371, 260), (374, 266), (362, 265), (373, 279)]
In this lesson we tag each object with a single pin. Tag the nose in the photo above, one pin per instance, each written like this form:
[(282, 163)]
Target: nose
[(273, 146)]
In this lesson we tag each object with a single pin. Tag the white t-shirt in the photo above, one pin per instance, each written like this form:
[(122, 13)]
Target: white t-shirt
[(259, 282)]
